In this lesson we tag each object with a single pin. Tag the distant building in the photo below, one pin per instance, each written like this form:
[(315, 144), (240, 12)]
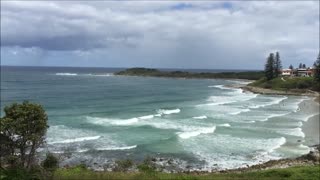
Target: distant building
[(287, 72), (304, 72)]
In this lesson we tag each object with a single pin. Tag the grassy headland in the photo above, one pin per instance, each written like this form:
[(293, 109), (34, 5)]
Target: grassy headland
[(250, 75), (302, 172), (285, 86)]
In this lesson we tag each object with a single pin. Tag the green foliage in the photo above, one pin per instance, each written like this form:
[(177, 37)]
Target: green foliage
[(317, 70), (23, 127), (51, 162), (269, 67), (299, 83), (251, 75), (305, 172), (277, 65), (147, 166), (123, 165)]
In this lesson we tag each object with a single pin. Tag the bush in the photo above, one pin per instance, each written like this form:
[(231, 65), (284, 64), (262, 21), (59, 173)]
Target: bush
[(147, 166), (51, 162), (303, 85), (123, 165)]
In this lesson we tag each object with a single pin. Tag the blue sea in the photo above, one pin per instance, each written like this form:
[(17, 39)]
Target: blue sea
[(96, 117)]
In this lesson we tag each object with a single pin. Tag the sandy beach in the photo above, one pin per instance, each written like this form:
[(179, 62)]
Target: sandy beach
[(311, 127)]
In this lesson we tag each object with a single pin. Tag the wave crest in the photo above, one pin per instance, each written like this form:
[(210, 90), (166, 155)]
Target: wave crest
[(76, 140), (187, 135), (116, 148), (169, 111)]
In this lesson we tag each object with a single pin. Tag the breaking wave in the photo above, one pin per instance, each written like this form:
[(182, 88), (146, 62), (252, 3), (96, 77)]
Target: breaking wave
[(275, 101), (169, 111), (225, 125), (200, 117), (66, 74), (187, 135), (76, 140), (76, 74), (116, 148)]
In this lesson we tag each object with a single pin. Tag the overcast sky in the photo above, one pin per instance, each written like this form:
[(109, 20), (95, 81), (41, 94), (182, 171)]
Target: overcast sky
[(170, 34)]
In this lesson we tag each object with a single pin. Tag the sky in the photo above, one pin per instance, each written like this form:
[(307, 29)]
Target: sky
[(158, 34)]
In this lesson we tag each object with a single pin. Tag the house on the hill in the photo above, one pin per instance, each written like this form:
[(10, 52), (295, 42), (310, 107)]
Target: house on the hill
[(304, 72), (300, 72), (287, 72)]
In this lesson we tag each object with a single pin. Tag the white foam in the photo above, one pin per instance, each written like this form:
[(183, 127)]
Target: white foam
[(310, 116), (125, 122), (187, 135), (200, 117), (225, 125), (240, 111), (82, 150), (168, 111), (293, 132), (275, 101), (146, 117), (278, 144), (221, 87), (76, 140), (274, 115), (75, 74), (100, 75), (116, 148), (119, 122), (236, 96), (239, 82), (66, 74)]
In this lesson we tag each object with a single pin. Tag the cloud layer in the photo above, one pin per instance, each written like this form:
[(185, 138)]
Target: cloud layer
[(158, 34)]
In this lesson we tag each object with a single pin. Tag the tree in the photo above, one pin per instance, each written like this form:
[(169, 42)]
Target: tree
[(304, 66), (300, 65), (24, 126), (317, 69), (277, 65), (269, 67), (291, 67)]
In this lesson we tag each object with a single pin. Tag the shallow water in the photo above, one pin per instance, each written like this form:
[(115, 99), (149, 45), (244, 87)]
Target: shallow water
[(95, 116)]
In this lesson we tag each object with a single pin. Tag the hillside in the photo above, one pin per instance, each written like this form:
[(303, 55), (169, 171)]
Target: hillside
[(249, 75), (288, 84)]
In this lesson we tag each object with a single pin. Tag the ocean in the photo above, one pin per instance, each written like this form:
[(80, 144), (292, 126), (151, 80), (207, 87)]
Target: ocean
[(96, 117)]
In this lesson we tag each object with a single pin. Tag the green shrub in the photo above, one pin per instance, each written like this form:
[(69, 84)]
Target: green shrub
[(147, 166), (123, 165), (51, 162)]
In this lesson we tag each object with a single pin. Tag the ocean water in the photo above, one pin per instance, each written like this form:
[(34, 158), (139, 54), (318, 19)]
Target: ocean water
[(96, 117)]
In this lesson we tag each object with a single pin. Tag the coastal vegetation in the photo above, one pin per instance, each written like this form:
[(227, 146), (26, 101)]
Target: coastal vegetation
[(272, 79), (23, 130), (299, 84), (249, 75)]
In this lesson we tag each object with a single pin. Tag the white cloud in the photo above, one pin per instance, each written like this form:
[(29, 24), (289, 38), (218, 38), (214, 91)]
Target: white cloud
[(165, 34)]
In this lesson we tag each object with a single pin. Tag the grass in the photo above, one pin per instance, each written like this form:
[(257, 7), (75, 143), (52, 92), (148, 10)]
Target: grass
[(296, 83), (305, 172)]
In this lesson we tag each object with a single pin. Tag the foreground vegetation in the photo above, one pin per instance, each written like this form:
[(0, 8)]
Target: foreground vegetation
[(80, 172), (250, 75)]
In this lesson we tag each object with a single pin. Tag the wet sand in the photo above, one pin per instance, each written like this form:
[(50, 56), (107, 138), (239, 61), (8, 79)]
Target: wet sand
[(311, 128)]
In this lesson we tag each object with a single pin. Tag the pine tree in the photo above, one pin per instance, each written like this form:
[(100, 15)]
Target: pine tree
[(291, 67), (277, 65), (317, 69), (269, 67)]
